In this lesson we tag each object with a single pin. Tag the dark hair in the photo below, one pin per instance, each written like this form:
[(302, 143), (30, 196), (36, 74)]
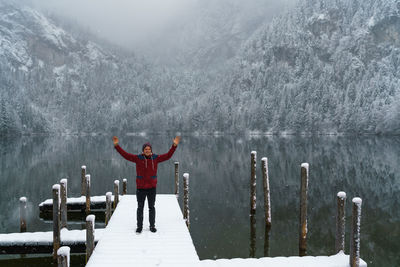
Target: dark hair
[(145, 145)]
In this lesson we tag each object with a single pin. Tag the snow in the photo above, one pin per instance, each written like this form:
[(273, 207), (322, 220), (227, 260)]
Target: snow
[(68, 237), (124, 180), (357, 200), (83, 167), (63, 181), (64, 251), (254, 152), (371, 22), (264, 159), (22, 199), (79, 200), (341, 194), (87, 179), (186, 175), (171, 245), (338, 260), (116, 182), (56, 187), (108, 194)]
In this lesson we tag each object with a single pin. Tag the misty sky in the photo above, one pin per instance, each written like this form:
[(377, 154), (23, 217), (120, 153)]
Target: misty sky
[(140, 24)]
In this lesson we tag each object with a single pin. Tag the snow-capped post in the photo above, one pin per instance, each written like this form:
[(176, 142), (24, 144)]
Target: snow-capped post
[(90, 219), (56, 220), (303, 210), (267, 202), (355, 233), (124, 186), (83, 180), (87, 187), (22, 214), (186, 199), (63, 256), (108, 207), (253, 238), (176, 179), (63, 205), (253, 183), (116, 193), (340, 221)]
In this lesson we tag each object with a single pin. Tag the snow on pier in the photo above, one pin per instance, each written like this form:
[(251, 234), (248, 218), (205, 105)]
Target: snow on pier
[(43, 241), (171, 245), (77, 203)]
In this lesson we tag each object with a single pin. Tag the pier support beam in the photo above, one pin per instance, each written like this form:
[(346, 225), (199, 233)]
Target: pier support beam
[(63, 256), (303, 210), (355, 233), (90, 219), (87, 187), (116, 193), (253, 198), (83, 180), (124, 186), (186, 212), (340, 221), (63, 204), (176, 179), (108, 207), (56, 220), (267, 201), (22, 214)]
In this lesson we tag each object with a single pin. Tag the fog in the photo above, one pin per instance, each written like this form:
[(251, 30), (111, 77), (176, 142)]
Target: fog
[(154, 26)]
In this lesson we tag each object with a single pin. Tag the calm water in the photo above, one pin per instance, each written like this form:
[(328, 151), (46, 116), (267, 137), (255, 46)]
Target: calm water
[(367, 167)]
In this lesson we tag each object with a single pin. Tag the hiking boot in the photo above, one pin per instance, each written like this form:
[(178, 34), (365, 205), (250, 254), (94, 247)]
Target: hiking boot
[(153, 229), (138, 230)]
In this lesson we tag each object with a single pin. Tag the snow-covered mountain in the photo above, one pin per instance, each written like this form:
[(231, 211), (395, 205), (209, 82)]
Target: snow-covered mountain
[(326, 66)]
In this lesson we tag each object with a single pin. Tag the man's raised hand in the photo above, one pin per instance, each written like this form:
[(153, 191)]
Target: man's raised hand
[(177, 140), (115, 140)]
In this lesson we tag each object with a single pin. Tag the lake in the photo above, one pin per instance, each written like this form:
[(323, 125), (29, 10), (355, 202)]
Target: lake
[(219, 167)]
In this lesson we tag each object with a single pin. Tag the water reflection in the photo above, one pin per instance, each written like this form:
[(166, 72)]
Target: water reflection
[(219, 188)]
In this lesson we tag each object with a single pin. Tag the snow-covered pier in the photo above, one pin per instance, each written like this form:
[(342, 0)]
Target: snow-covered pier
[(42, 242), (77, 204)]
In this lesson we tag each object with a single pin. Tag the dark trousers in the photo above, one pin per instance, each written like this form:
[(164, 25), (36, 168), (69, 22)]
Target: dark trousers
[(141, 195)]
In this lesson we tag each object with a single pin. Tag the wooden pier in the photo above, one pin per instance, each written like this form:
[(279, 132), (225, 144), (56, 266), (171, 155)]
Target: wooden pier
[(171, 245)]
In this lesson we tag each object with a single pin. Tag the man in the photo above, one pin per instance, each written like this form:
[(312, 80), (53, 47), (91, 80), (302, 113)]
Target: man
[(146, 179)]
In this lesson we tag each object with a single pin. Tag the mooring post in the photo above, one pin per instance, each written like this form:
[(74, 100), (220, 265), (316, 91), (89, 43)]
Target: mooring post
[(63, 205), (355, 233), (90, 219), (176, 179), (83, 180), (253, 238), (267, 201), (22, 214), (87, 187), (124, 186), (56, 220), (63, 256), (108, 207), (303, 209), (116, 193), (253, 199), (340, 221), (186, 212)]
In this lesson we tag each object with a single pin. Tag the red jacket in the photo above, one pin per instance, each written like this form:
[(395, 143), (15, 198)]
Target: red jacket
[(146, 167)]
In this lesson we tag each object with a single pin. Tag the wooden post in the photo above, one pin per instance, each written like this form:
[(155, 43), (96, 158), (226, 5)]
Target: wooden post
[(56, 220), (340, 221), (267, 201), (116, 193), (303, 210), (355, 233), (22, 214), (108, 207), (63, 206), (87, 187), (90, 219), (253, 199), (124, 186), (266, 240), (176, 179), (83, 180), (186, 213), (252, 252), (63, 256)]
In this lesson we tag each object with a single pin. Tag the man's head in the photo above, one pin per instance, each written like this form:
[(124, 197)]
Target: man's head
[(147, 150)]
